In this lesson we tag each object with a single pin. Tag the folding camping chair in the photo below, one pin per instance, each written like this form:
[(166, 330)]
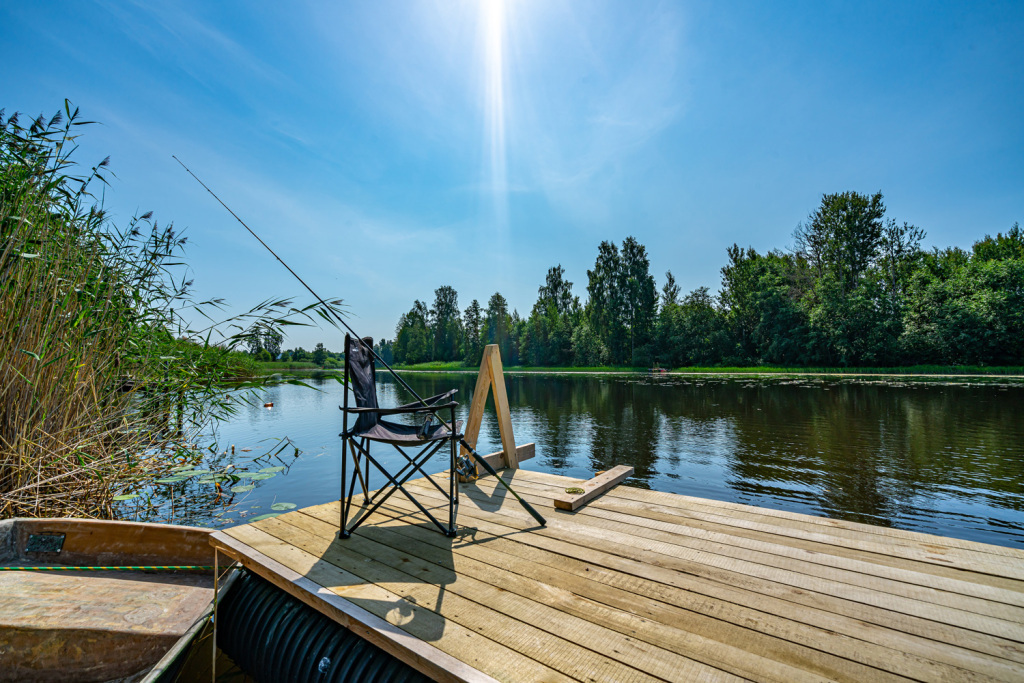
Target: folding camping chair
[(430, 437)]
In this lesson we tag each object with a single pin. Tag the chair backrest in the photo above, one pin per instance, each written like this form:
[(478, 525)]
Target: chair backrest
[(361, 375)]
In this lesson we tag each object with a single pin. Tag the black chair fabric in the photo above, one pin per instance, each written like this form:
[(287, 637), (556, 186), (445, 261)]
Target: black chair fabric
[(370, 426)]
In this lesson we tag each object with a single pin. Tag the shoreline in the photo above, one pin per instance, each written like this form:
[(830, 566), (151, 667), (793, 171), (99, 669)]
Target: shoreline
[(670, 373), (711, 373)]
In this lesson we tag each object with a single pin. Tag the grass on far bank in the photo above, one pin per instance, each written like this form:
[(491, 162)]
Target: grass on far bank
[(459, 366), (274, 366)]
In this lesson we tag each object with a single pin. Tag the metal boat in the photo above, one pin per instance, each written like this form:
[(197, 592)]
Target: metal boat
[(88, 600)]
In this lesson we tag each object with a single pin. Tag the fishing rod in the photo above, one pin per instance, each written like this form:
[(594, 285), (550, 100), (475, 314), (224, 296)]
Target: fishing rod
[(462, 439)]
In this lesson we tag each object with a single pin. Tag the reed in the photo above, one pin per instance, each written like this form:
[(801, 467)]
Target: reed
[(102, 381)]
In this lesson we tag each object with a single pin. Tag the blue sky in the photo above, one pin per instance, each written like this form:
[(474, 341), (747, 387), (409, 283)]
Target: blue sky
[(499, 138)]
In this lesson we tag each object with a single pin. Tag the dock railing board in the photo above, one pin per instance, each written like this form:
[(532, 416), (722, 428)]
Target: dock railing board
[(639, 585)]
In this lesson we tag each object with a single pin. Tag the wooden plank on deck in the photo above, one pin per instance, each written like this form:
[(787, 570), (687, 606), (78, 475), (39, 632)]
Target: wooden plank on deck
[(592, 488)]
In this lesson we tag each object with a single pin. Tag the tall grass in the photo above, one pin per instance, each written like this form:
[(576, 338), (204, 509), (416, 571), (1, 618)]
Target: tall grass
[(101, 376)]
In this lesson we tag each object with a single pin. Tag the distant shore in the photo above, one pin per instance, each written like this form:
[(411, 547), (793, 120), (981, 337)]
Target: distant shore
[(910, 371)]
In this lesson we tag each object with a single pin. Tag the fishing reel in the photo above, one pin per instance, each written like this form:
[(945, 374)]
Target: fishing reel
[(465, 468)]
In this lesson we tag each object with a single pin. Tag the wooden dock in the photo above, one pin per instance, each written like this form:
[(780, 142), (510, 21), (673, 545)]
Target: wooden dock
[(646, 586)]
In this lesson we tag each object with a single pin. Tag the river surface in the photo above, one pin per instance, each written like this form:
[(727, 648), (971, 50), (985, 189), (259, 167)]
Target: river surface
[(943, 457)]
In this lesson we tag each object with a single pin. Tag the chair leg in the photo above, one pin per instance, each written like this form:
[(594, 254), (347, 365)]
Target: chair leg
[(343, 525), (453, 487), (365, 475), (348, 485)]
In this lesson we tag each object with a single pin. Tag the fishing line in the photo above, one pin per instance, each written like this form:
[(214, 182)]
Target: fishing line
[(462, 441)]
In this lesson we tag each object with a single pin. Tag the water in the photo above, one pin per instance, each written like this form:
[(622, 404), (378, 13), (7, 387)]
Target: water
[(934, 456)]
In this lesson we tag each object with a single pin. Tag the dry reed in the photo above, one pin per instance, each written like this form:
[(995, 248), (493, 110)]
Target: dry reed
[(95, 389)]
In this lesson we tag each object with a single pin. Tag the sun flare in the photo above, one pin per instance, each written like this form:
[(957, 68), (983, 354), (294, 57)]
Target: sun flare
[(493, 26)]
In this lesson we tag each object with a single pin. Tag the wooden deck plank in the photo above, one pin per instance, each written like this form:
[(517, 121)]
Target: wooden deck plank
[(777, 563), (739, 510), (529, 605), (482, 653), (838, 549), (815, 560), (1007, 566), (646, 586), (922, 575), (735, 648), (557, 589), (683, 569), (304, 585), (592, 488), (533, 633), (900, 654)]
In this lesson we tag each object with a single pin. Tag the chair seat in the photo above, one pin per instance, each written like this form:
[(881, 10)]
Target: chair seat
[(392, 432)]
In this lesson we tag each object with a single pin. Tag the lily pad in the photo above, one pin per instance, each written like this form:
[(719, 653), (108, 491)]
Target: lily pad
[(266, 516), (263, 475), (242, 489), (192, 473), (283, 506), (279, 468), (182, 468), (211, 478), (243, 475), (126, 496), (171, 480)]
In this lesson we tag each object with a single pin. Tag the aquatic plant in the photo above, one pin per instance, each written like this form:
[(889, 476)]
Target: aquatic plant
[(104, 382)]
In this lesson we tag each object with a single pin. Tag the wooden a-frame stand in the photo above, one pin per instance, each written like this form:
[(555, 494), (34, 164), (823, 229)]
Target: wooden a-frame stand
[(492, 376)]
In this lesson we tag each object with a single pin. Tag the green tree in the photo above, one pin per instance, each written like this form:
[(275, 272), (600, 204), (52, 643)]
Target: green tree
[(497, 326), (445, 324), (966, 310), (605, 303), (623, 300), (384, 349), (472, 328), (272, 342), (546, 338), (1001, 247), (691, 332), (413, 340), (587, 349), (670, 291), (640, 299), (320, 354), (843, 236), (763, 307)]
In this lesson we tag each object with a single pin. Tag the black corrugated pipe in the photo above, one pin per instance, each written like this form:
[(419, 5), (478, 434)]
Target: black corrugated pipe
[(276, 638)]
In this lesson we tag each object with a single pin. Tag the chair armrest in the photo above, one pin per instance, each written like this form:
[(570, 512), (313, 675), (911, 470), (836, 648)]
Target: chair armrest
[(401, 409), (430, 401)]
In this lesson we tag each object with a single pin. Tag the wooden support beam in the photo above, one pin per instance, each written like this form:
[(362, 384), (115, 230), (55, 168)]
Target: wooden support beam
[(497, 459), (508, 441), (492, 377), (593, 488)]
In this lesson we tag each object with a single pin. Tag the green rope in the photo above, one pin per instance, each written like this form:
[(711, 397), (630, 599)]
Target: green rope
[(101, 569)]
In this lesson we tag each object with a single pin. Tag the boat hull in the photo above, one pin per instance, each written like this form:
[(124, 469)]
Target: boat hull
[(78, 625)]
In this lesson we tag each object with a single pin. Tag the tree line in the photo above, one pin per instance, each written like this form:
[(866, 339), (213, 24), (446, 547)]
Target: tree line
[(857, 289)]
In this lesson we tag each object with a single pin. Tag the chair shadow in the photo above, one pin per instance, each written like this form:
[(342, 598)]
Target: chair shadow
[(410, 571), (407, 558)]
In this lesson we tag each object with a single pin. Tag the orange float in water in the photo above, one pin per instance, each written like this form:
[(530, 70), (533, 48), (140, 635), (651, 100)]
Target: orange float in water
[(268, 405)]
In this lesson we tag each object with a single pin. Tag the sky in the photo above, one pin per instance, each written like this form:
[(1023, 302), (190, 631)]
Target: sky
[(386, 148)]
